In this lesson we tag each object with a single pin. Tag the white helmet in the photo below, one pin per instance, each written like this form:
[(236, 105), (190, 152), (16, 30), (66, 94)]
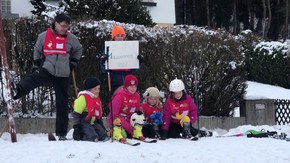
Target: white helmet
[(176, 85), (151, 91)]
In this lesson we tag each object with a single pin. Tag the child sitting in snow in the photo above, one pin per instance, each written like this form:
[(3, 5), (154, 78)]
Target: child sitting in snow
[(179, 113), (87, 114), (126, 102), (152, 109)]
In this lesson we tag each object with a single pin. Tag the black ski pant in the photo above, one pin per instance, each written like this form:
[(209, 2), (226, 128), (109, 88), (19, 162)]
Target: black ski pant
[(41, 77), (149, 132), (176, 130)]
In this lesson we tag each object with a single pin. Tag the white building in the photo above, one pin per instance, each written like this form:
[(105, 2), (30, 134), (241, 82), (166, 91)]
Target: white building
[(162, 11)]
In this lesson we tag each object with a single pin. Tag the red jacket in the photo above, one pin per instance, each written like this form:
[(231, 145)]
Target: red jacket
[(149, 110), (94, 106)]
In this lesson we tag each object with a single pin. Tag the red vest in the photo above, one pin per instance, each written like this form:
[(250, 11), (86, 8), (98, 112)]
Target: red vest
[(149, 110), (54, 43), (181, 107), (130, 104), (94, 107)]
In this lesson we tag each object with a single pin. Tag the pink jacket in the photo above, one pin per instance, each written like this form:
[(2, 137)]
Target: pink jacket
[(169, 117), (117, 104)]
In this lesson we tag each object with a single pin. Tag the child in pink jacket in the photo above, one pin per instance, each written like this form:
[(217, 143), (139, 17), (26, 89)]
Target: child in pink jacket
[(125, 102)]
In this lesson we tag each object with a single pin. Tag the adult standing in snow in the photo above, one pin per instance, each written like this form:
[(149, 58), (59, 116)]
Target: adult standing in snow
[(117, 76), (180, 112), (56, 53), (87, 115), (125, 102)]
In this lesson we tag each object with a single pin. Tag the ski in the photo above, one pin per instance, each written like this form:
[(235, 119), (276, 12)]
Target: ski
[(7, 85), (233, 135), (129, 143), (193, 138), (147, 140)]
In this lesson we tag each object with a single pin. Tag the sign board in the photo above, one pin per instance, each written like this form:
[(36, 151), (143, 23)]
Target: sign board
[(122, 55)]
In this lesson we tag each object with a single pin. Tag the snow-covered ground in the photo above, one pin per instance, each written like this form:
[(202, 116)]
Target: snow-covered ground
[(36, 148)]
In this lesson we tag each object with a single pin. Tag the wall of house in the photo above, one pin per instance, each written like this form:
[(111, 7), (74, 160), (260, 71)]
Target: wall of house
[(164, 12), (22, 8)]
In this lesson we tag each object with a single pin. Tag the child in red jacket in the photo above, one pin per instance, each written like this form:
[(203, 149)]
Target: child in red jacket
[(152, 109), (87, 115)]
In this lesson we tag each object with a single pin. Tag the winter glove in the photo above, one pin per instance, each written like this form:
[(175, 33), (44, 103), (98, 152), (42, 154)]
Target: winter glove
[(77, 134), (156, 118), (164, 135), (183, 118), (140, 58), (104, 58), (36, 64), (73, 63)]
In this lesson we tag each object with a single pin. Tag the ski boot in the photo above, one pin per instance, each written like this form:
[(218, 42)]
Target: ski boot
[(186, 132), (156, 130), (117, 134), (118, 131), (137, 132), (204, 133)]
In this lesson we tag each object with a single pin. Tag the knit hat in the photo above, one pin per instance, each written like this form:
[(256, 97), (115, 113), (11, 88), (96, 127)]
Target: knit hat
[(117, 30), (91, 82), (130, 80), (152, 91)]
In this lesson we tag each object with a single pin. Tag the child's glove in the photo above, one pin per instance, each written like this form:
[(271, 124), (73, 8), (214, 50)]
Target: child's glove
[(183, 118), (156, 118), (140, 58), (104, 58), (36, 64)]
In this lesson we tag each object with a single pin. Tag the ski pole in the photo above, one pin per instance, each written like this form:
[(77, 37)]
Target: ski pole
[(74, 83), (196, 82), (110, 90)]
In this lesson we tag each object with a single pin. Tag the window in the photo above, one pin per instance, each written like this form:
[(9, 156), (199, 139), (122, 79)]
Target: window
[(148, 3), (6, 6)]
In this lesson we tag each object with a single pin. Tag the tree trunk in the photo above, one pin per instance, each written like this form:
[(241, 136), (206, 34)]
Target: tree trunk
[(286, 21), (235, 18), (270, 16), (264, 19), (207, 14)]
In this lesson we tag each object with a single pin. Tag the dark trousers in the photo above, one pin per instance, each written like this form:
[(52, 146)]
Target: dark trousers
[(175, 131), (60, 84), (149, 132), (92, 132)]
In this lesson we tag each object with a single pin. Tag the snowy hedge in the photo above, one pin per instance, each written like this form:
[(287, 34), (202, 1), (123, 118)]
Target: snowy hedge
[(268, 63), (169, 53)]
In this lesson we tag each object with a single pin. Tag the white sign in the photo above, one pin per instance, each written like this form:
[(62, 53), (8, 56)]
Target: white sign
[(122, 55)]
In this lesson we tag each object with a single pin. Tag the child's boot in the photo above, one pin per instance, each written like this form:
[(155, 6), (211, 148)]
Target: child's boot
[(156, 130), (186, 132), (137, 132), (117, 134)]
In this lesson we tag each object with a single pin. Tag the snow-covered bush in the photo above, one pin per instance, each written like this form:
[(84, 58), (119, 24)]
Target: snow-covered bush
[(169, 53), (268, 63)]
